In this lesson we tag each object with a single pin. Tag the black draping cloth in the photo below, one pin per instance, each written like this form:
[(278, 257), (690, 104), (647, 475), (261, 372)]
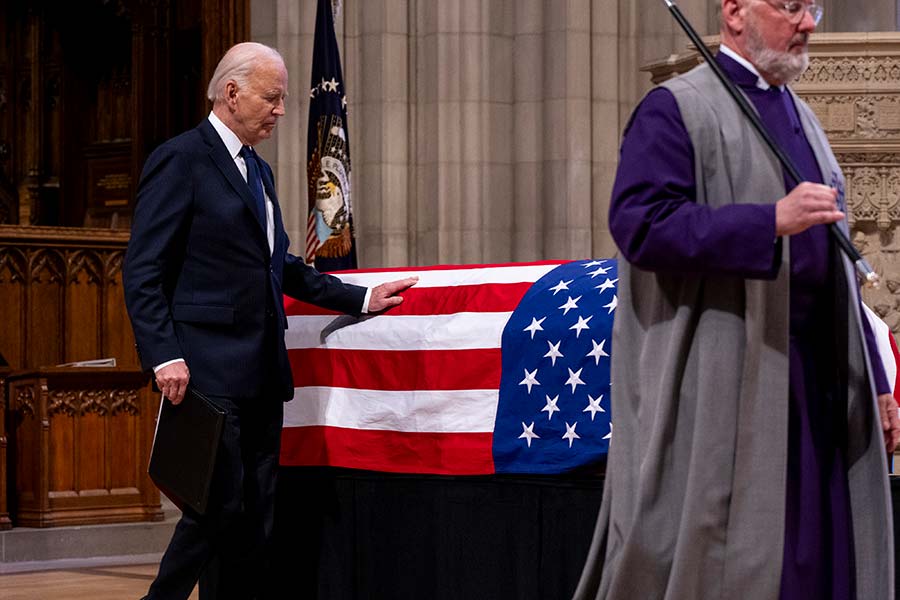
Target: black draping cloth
[(353, 535), (344, 535)]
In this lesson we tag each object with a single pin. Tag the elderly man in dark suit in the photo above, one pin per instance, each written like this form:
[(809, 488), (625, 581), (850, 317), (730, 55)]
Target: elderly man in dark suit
[(204, 276)]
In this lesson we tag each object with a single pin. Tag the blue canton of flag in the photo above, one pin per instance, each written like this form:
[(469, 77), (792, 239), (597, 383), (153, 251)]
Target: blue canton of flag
[(553, 414)]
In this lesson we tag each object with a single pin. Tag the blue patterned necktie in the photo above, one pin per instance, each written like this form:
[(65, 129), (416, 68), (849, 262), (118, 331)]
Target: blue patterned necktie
[(254, 180)]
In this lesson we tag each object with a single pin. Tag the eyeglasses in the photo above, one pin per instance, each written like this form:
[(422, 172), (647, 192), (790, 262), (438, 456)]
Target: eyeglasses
[(795, 11)]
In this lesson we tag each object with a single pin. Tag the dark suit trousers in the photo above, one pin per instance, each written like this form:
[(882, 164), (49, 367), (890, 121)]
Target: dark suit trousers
[(227, 548)]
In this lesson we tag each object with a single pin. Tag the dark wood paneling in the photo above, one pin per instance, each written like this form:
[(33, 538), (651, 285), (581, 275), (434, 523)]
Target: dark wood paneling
[(5, 522), (225, 23), (89, 89), (13, 269), (9, 198), (63, 288)]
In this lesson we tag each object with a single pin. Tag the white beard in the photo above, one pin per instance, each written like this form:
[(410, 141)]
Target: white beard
[(783, 66)]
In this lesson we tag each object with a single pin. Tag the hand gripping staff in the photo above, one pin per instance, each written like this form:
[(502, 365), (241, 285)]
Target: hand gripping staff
[(862, 266)]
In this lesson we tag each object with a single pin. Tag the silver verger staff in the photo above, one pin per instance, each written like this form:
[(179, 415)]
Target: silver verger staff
[(862, 266)]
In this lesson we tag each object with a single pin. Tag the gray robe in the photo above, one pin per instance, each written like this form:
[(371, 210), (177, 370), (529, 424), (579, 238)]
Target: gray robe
[(693, 506)]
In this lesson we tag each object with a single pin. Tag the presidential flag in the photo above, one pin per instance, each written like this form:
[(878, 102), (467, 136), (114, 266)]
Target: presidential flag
[(482, 369), (330, 243)]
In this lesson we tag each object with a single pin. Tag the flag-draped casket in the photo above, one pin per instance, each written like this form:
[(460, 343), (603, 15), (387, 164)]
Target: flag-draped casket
[(482, 369)]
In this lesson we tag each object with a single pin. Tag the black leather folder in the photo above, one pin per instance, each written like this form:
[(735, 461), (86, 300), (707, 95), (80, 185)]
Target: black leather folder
[(184, 449)]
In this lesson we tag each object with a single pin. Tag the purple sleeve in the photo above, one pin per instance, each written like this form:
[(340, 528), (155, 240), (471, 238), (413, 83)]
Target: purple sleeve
[(653, 215), (881, 383)]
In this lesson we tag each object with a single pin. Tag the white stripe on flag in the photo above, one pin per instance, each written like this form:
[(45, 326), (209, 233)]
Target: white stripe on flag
[(458, 331), (457, 411), (445, 277), (882, 334)]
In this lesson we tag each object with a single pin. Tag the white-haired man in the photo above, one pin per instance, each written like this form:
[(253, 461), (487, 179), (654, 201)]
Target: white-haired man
[(749, 453), (204, 276)]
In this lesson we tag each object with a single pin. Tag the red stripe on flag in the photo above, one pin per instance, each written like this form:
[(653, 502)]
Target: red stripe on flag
[(389, 451), (896, 354), (429, 301), (397, 370)]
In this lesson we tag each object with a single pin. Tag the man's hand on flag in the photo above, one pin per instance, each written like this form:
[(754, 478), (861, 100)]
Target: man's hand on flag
[(385, 296)]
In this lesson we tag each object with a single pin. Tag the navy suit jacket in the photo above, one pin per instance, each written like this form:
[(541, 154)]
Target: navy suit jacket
[(200, 282)]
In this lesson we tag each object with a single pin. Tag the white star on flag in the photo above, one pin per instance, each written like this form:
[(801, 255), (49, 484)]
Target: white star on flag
[(593, 406), (551, 407), (529, 434), (569, 305), (599, 271), (570, 433), (612, 305), (574, 379), (609, 284), (598, 351), (562, 285), (531, 379), (581, 324), (554, 352), (593, 263), (608, 436), (535, 326)]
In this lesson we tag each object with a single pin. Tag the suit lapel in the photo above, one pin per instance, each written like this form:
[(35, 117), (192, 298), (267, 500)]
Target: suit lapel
[(225, 163)]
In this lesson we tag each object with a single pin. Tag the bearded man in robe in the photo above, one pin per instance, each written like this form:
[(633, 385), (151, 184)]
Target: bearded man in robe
[(752, 414)]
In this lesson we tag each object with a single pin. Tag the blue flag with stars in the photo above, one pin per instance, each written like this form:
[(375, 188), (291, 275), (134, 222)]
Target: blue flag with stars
[(553, 413)]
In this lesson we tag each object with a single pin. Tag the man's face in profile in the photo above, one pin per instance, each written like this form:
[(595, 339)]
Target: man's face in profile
[(778, 38)]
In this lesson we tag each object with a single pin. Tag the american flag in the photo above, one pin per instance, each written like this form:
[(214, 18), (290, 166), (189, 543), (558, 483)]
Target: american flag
[(483, 369), (887, 349)]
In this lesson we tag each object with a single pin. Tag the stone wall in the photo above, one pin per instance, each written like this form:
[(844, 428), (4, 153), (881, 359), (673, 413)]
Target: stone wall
[(488, 130)]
